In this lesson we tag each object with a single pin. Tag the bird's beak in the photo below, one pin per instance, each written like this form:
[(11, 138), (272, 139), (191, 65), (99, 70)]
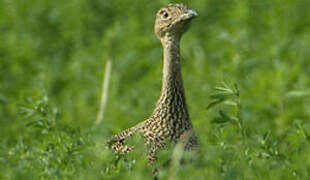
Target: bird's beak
[(191, 14)]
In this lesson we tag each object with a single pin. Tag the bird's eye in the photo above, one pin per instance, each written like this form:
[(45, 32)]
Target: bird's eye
[(164, 14)]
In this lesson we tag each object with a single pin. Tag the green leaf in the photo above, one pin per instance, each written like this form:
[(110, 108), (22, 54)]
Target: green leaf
[(266, 135), (298, 94), (221, 95), (31, 123), (224, 115), (230, 103), (215, 103), (223, 89), (219, 120), (223, 118)]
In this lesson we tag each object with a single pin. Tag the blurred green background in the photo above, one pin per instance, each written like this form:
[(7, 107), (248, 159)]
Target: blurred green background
[(52, 59)]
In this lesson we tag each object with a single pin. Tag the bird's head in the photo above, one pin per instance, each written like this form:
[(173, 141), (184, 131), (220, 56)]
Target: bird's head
[(173, 20)]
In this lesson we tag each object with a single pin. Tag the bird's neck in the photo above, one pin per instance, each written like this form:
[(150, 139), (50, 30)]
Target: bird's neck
[(172, 83), (172, 77)]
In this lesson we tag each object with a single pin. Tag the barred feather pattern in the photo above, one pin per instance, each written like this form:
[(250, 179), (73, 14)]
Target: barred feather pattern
[(170, 120)]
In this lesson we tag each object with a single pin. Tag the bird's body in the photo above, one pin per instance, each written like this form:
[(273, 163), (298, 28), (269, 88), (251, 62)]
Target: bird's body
[(170, 120)]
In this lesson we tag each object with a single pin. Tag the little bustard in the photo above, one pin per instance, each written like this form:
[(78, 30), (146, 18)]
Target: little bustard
[(170, 120)]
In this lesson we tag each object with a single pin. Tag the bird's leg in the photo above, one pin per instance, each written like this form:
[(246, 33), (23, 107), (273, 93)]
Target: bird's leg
[(152, 154), (152, 158), (189, 141)]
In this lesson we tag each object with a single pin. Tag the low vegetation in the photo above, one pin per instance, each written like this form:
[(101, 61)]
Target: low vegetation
[(246, 74)]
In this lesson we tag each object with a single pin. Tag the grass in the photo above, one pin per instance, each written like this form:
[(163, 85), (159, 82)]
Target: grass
[(246, 74)]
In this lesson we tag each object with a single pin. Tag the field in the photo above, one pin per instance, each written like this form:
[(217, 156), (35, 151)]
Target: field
[(246, 70)]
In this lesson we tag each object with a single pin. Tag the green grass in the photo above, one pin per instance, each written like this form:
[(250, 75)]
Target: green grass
[(52, 58)]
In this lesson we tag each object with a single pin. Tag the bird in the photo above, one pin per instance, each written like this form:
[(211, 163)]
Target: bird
[(170, 120)]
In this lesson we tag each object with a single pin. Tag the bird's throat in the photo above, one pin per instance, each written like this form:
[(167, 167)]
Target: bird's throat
[(172, 77)]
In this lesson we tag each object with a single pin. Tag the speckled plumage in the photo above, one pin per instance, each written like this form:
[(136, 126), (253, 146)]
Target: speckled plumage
[(170, 120)]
